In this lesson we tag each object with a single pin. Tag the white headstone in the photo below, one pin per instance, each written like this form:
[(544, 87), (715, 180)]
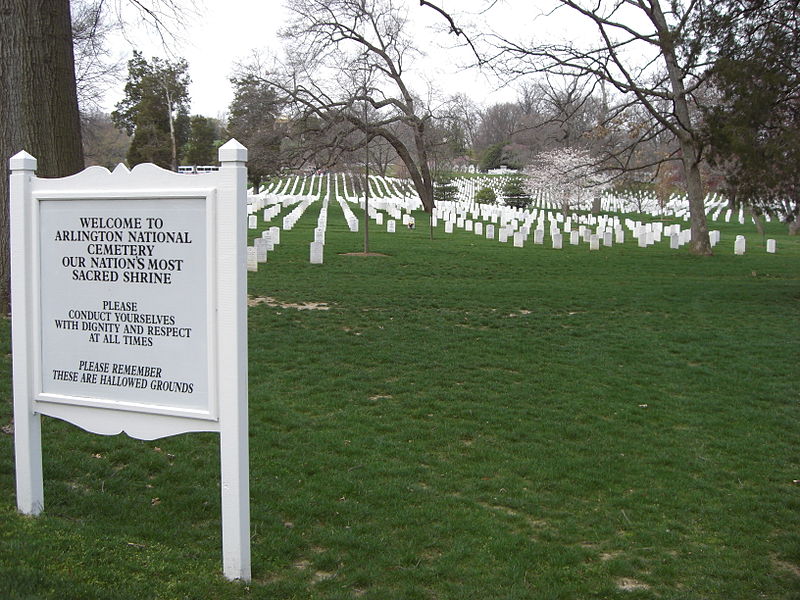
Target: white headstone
[(317, 250), (557, 240), (252, 222), (252, 258), (574, 237), (519, 239), (594, 242), (478, 228), (267, 239), (260, 245), (490, 232), (538, 236), (771, 246), (739, 245), (674, 241)]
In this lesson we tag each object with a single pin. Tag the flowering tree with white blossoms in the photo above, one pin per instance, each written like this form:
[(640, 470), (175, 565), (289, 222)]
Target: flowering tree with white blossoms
[(568, 176)]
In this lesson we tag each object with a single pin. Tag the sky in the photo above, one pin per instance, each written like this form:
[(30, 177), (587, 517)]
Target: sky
[(225, 32)]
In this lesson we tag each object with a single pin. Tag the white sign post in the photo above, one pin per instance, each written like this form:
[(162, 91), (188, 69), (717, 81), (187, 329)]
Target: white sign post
[(128, 293)]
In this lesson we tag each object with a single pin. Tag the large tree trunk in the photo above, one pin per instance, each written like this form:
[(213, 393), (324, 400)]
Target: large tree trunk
[(756, 218), (701, 243), (793, 213), (418, 170), (38, 98)]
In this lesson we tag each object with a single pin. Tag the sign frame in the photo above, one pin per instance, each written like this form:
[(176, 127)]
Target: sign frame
[(224, 197)]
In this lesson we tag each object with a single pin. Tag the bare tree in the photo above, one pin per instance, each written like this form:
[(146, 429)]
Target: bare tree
[(95, 67), (343, 54), (640, 51)]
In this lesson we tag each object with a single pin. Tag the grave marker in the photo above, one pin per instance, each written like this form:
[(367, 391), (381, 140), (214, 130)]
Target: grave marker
[(739, 245), (316, 250), (252, 259), (261, 245)]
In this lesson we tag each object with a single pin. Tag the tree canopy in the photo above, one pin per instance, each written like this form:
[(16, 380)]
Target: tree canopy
[(254, 121), (753, 118), (346, 80), (155, 110)]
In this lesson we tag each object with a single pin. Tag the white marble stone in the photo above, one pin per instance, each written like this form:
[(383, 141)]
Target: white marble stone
[(317, 250)]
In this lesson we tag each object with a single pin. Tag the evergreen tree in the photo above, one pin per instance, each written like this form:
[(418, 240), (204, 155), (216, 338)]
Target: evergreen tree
[(253, 121), (201, 149), (444, 190), (754, 128), (485, 195), (514, 193), (492, 157), (155, 110)]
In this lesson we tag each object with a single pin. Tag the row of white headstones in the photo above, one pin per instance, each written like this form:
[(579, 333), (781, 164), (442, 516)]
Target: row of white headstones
[(717, 206), (490, 221)]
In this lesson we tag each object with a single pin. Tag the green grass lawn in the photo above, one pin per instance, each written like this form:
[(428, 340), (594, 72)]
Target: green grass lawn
[(466, 420)]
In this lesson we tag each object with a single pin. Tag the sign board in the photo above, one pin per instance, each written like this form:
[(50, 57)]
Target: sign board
[(126, 304), (129, 314)]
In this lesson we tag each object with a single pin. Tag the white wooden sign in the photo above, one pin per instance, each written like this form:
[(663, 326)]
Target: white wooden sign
[(129, 314)]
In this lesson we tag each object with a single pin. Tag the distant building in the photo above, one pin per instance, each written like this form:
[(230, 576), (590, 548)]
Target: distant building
[(503, 170), (195, 169)]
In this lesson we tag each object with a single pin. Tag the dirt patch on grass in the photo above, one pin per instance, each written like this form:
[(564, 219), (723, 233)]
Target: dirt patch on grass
[(531, 521), (321, 576), (606, 556), (627, 584), (786, 566), (256, 300)]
